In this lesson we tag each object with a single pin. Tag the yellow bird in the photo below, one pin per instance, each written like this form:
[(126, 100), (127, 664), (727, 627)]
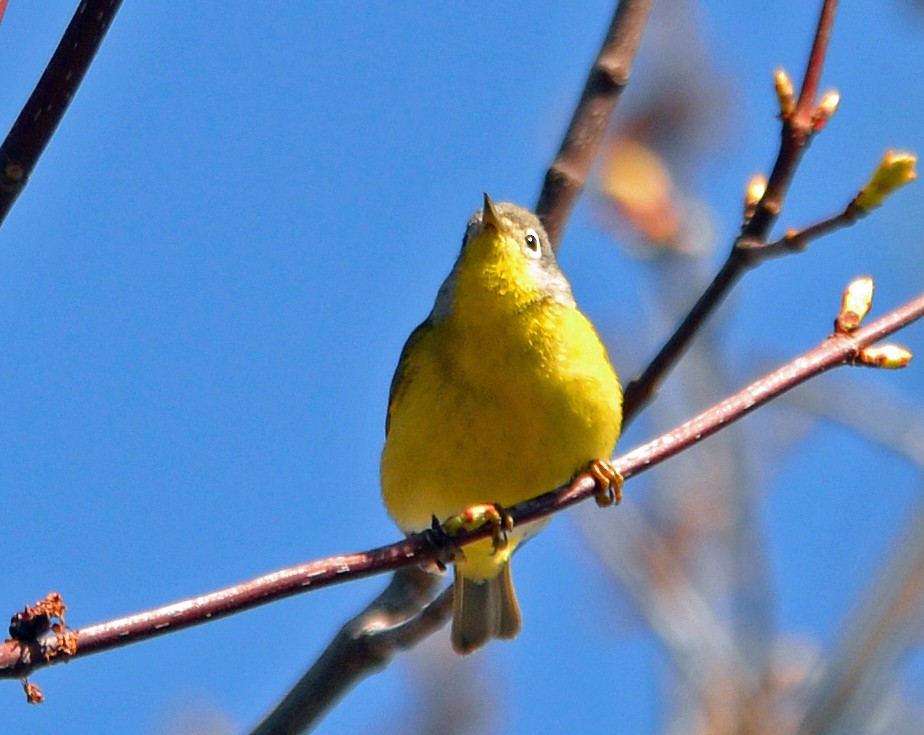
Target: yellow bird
[(503, 393)]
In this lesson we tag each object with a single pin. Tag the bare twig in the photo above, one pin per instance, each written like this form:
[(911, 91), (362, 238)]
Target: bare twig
[(51, 97), (809, 93), (898, 169), (18, 658), (608, 76), (797, 131), (796, 241)]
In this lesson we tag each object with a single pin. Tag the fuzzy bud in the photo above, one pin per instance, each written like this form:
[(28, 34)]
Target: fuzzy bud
[(784, 92), (890, 357), (825, 110), (754, 192), (858, 297), (895, 170)]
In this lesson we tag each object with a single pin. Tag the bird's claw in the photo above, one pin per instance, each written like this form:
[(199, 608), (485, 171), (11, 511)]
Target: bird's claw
[(477, 516), (609, 482)]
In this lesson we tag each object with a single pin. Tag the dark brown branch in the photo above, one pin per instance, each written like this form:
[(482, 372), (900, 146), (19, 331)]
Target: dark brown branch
[(51, 97), (366, 644), (796, 134), (608, 76), (17, 659)]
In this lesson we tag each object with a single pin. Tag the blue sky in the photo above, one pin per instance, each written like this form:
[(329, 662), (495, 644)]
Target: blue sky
[(206, 285)]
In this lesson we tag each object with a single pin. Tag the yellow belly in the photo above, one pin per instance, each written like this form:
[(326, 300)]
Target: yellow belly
[(497, 415)]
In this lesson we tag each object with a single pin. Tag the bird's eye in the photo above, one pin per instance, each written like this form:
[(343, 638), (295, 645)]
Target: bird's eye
[(532, 242)]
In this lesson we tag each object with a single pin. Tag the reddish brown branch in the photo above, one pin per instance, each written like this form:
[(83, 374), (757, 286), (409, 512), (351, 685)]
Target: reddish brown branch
[(227, 601), (51, 97), (797, 130), (806, 105), (608, 76), (796, 241), (17, 659)]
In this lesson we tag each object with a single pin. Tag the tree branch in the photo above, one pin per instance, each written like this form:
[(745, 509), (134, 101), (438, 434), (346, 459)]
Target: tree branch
[(19, 657), (608, 76), (797, 130), (806, 106), (367, 643), (51, 97)]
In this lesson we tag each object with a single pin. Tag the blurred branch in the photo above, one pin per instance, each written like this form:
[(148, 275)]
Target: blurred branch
[(608, 76), (364, 645), (20, 656), (2, 9), (851, 686), (689, 554), (798, 126), (848, 691), (683, 618), (899, 424), (51, 97)]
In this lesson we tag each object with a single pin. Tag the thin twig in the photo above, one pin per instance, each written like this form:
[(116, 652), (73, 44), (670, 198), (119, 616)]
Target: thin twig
[(816, 61), (795, 241), (51, 97), (17, 658), (608, 76), (796, 134)]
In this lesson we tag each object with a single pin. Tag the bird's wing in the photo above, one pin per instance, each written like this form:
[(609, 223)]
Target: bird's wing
[(404, 373)]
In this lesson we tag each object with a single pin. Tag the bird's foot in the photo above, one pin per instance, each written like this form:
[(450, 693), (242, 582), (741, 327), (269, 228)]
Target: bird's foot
[(477, 516), (609, 482)]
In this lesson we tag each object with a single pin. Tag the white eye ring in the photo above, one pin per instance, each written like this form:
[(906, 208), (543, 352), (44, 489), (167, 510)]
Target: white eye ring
[(533, 245)]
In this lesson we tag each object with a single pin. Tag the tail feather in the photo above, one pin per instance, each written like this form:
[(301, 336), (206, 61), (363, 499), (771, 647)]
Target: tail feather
[(482, 610)]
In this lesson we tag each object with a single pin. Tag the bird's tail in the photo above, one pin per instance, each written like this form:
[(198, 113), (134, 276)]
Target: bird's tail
[(483, 609)]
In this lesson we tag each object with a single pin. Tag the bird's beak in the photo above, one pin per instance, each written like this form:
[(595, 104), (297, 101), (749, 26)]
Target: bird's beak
[(489, 215)]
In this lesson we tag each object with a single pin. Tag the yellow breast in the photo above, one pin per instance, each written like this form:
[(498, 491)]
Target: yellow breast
[(497, 408)]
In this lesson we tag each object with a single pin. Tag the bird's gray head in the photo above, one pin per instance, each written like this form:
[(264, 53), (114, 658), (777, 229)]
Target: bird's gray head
[(524, 227)]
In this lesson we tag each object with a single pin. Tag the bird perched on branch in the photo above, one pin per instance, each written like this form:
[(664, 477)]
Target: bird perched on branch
[(504, 392)]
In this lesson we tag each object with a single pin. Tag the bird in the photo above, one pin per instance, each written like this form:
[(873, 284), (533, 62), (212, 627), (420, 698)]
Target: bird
[(505, 391)]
